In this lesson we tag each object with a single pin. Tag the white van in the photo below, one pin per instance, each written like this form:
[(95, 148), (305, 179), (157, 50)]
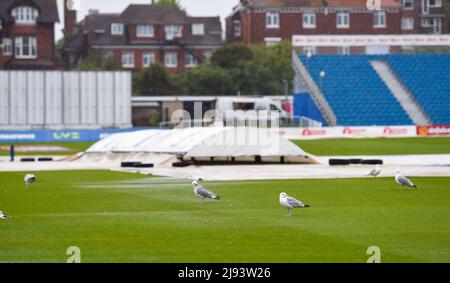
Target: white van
[(227, 104)]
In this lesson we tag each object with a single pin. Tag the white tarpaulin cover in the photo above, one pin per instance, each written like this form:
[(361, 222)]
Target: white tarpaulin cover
[(201, 142)]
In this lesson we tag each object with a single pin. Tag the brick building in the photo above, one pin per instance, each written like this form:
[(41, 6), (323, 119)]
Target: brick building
[(27, 34), (270, 21), (142, 35)]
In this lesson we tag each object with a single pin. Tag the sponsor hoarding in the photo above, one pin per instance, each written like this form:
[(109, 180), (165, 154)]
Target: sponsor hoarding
[(348, 132), (371, 40), (437, 130)]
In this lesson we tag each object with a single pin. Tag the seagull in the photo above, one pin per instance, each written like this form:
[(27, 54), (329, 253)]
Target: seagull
[(290, 203), (29, 179), (375, 171), (403, 181), (4, 216), (202, 192)]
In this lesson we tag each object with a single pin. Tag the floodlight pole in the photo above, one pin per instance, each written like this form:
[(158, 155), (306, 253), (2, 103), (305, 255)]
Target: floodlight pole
[(322, 75)]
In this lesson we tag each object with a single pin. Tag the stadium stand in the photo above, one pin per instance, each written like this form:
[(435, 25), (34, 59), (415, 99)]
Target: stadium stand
[(427, 77), (355, 92)]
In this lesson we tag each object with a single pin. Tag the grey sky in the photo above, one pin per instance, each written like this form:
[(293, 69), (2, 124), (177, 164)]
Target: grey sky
[(220, 8)]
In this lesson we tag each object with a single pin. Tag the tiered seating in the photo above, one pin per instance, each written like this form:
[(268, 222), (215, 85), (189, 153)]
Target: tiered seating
[(355, 92), (427, 77)]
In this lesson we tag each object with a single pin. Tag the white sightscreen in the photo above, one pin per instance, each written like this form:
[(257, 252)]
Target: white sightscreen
[(122, 86), (88, 96), (18, 98), (71, 98), (74, 99), (53, 98), (4, 98), (106, 99), (35, 97)]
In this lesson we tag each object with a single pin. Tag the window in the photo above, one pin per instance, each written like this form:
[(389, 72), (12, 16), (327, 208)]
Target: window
[(117, 29), (128, 60), (198, 29), (148, 58), (173, 31), (343, 50), (272, 20), (26, 47), (435, 3), (270, 41), (342, 19), (379, 19), (437, 25), (7, 47), (407, 23), (25, 15), (208, 55), (145, 31), (237, 28), (309, 50), (309, 20), (408, 4), (191, 60), (171, 59)]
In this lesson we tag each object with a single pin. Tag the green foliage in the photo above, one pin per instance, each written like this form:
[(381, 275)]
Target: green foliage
[(58, 47), (276, 64), (173, 2), (235, 68), (97, 63), (231, 56), (154, 81), (206, 79), (154, 118)]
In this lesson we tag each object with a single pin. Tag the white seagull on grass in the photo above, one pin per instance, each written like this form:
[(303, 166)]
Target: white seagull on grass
[(202, 192), (4, 216), (403, 181), (375, 171), (29, 179), (290, 203)]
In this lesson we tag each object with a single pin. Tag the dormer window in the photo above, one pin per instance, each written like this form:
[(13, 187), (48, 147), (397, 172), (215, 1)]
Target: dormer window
[(198, 29), (25, 15), (116, 29), (173, 31), (145, 31)]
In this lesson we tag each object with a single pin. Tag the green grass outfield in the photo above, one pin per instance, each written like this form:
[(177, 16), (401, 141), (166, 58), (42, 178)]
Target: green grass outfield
[(119, 217), (376, 146), (75, 147)]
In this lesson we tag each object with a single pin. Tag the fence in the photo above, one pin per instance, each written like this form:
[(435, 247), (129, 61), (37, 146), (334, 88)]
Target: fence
[(64, 100)]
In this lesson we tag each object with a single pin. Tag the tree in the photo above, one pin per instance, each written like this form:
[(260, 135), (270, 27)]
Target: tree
[(172, 2), (231, 56), (206, 79), (96, 63), (154, 81), (258, 69), (277, 61)]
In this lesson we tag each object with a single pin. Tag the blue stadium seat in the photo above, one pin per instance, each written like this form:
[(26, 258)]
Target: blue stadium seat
[(427, 77), (358, 96), (355, 92)]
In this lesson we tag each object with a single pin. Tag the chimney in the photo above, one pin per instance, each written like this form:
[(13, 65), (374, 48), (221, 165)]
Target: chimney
[(70, 18), (93, 12)]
